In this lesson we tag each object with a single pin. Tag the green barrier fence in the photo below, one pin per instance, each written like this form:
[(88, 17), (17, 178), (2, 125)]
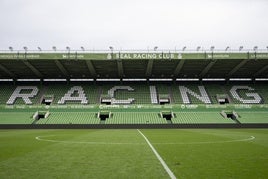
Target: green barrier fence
[(135, 108)]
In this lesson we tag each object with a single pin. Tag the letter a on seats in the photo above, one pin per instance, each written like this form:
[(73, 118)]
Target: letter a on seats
[(69, 95)]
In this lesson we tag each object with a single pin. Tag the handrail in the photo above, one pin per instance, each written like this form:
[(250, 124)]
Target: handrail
[(138, 51)]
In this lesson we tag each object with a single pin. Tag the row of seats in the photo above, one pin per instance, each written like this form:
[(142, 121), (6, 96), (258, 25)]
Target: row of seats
[(135, 118), (132, 118), (70, 118), (199, 118)]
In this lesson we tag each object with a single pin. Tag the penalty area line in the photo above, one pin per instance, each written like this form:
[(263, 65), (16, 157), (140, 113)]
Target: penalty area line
[(163, 163)]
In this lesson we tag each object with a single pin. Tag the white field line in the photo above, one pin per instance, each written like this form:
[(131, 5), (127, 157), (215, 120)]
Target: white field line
[(208, 142), (41, 138), (170, 173)]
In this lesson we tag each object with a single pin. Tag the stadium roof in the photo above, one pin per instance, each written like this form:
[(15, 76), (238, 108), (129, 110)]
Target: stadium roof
[(133, 64)]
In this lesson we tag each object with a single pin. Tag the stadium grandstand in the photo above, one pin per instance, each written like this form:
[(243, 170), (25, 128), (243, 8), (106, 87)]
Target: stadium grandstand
[(130, 88)]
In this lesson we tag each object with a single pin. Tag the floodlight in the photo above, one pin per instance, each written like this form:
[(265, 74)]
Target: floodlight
[(54, 48), (25, 48), (82, 48), (212, 48), (39, 48), (198, 48), (155, 48), (10, 48), (227, 48), (183, 49), (240, 48), (68, 48), (111, 48), (267, 47), (255, 48)]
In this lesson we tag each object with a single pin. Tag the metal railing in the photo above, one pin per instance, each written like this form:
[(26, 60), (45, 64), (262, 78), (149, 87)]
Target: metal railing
[(139, 51)]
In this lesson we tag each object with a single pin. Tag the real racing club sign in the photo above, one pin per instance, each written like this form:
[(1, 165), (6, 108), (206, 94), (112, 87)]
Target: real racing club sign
[(145, 56)]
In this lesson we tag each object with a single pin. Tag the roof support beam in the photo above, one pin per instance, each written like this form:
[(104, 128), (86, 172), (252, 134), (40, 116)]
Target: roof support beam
[(260, 71), (149, 68), (237, 67), (178, 68), (206, 69), (7, 71), (61, 67), (120, 68), (34, 70), (91, 68)]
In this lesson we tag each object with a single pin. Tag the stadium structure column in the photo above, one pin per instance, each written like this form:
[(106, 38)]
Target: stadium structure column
[(120, 68), (178, 68), (200, 81), (207, 68), (227, 80), (149, 68), (32, 68), (14, 81), (91, 69), (237, 67), (61, 68), (253, 81), (260, 71), (11, 74)]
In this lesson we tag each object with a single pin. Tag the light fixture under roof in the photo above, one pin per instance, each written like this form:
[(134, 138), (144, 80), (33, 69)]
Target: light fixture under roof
[(187, 79), (240, 79), (255, 48), (213, 79), (160, 79), (108, 79), (60, 79)]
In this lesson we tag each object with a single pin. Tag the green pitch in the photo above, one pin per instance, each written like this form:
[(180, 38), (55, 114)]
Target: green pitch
[(193, 153)]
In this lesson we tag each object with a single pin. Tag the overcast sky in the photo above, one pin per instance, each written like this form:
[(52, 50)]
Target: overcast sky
[(133, 24)]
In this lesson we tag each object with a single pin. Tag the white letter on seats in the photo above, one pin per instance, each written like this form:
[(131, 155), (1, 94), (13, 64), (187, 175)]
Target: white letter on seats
[(68, 96), (153, 95), (112, 91), (25, 96), (203, 97), (256, 97)]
